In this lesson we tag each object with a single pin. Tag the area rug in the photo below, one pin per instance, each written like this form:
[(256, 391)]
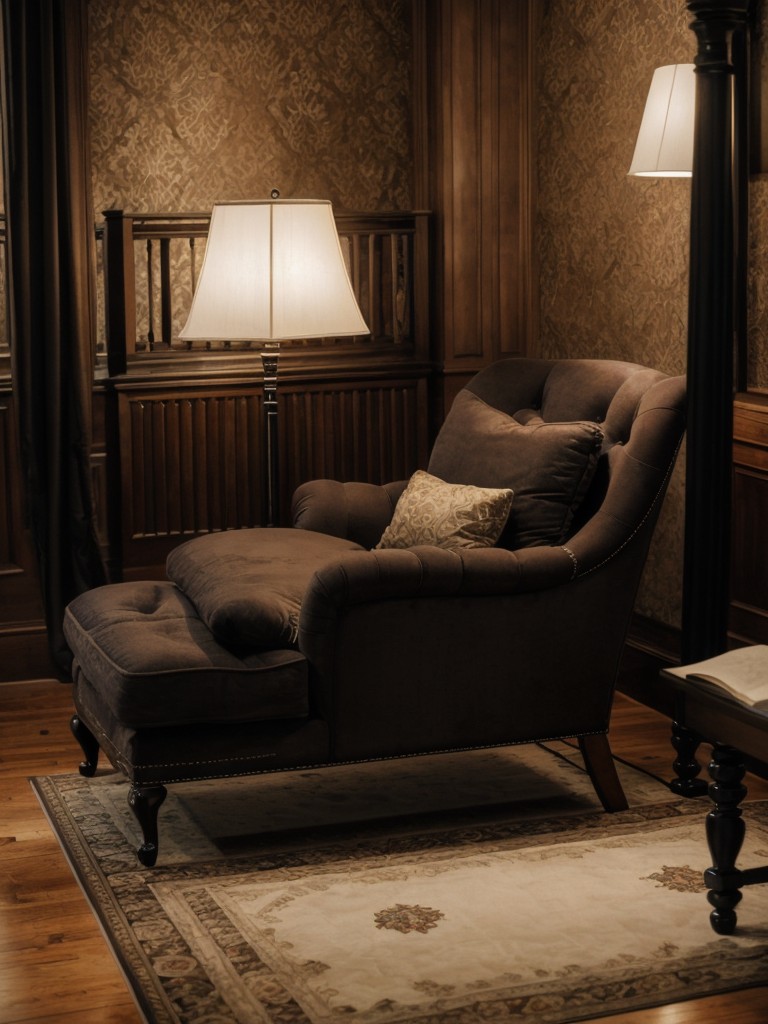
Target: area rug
[(477, 887)]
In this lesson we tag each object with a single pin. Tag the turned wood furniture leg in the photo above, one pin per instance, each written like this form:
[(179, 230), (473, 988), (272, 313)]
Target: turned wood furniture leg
[(725, 834), (686, 766), (601, 768), (145, 802), (89, 744)]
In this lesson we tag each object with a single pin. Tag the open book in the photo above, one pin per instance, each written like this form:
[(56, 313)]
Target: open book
[(741, 673)]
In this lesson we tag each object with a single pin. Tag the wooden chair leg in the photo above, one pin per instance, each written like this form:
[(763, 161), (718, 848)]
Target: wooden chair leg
[(89, 744), (145, 802), (598, 760)]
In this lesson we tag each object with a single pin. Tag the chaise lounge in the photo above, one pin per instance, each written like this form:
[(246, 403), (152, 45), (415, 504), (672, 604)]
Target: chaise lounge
[(484, 602)]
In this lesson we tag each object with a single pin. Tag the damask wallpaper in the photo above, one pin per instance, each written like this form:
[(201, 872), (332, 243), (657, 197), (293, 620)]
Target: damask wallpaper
[(613, 250), (198, 100)]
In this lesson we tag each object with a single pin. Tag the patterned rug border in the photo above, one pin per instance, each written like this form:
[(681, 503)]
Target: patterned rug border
[(123, 879)]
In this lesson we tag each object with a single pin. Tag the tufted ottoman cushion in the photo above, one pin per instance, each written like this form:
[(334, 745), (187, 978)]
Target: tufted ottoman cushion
[(155, 663)]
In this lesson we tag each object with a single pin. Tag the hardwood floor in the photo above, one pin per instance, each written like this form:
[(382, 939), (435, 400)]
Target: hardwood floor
[(55, 966)]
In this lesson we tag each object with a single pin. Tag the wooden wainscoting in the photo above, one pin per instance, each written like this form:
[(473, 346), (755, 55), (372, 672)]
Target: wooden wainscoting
[(23, 645), (192, 456), (749, 556)]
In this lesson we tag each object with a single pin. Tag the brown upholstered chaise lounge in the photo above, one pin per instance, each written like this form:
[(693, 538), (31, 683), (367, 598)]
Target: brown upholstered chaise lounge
[(272, 649)]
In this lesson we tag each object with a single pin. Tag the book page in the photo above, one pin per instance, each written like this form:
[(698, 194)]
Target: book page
[(742, 672)]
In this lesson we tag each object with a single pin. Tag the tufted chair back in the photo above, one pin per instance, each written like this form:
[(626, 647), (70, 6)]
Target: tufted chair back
[(639, 414)]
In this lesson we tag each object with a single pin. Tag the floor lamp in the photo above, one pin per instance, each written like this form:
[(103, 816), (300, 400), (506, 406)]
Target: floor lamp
[(273, 271), (700, 114)]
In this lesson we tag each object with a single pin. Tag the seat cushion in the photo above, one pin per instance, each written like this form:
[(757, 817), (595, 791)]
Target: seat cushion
[(248, 585), (155, 663), (549, 466)]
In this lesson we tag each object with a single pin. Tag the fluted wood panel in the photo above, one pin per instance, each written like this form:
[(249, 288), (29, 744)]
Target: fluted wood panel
[(193, 463), (373, 433)]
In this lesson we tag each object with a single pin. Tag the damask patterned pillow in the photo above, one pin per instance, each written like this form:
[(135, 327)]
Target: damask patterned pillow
[(431, 511)]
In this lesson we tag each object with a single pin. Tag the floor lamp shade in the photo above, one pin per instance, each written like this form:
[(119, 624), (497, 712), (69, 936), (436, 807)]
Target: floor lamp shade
[(664, 147), (273, 270)]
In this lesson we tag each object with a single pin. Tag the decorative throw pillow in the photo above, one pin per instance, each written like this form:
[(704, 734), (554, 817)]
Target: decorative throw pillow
[(430, 511), (549, 466)]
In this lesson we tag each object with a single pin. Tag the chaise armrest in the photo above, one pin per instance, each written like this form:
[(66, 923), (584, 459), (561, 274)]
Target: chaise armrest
[(393, 637), (362, 577), (354, 511)]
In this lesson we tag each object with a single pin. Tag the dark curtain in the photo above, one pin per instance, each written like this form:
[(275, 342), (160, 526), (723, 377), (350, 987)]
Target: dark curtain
[(51, 282)]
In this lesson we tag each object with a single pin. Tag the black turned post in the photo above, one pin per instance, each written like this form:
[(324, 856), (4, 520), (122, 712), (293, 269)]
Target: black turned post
[(269, 359), (686, 767), (725, 834), (89, 744), (145, 802), (706, 590)]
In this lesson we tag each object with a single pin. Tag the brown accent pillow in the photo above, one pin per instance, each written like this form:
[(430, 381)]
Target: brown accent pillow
[(549, 466), (430, 511)]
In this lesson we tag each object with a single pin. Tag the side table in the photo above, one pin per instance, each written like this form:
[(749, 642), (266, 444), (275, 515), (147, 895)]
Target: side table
[(735, 731)]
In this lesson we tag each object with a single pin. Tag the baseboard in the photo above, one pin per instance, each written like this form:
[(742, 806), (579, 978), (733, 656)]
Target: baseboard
[(655, 638), (24, 653)]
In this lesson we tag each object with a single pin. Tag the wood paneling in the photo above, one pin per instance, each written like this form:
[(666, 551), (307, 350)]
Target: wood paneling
[(190, 462), (373, 431), (193, 462), (479, 181), (23, 646), (749, 554)]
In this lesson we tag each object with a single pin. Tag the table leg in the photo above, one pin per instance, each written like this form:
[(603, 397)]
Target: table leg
[(725, 834), (686, 743)]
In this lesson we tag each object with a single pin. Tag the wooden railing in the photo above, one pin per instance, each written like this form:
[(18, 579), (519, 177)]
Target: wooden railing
[(150, 267)]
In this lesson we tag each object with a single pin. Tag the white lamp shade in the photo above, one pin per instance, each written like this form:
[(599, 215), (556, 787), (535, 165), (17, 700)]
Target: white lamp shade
[(273, 270), (664, 147)]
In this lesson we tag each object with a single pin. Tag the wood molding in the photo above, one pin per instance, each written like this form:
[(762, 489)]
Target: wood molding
[(24, 652)]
